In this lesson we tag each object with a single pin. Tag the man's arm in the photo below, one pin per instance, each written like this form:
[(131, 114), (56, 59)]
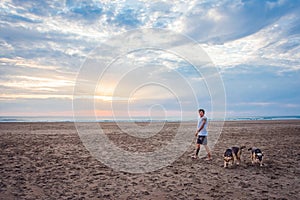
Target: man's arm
[(201, 127)]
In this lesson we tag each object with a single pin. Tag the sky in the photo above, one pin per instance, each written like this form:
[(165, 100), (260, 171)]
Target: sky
[(47, 47)]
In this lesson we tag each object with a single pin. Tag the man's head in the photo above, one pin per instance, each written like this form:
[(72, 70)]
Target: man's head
[(201, 112)]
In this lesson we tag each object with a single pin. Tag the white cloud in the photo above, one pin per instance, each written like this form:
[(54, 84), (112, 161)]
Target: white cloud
[(264, 48), (21, 62)]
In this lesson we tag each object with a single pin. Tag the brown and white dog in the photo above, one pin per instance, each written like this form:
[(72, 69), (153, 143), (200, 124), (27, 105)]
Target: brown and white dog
[(233, 155), (256, 155)]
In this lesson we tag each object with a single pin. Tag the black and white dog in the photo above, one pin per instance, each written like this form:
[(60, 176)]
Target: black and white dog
[(256, 155), (233, 155)]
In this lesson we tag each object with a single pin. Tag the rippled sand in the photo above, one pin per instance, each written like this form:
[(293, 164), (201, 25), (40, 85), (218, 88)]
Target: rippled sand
[(49, 161)]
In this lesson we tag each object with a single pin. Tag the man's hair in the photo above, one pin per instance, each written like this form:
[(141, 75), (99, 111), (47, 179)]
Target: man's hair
[(201, 110)]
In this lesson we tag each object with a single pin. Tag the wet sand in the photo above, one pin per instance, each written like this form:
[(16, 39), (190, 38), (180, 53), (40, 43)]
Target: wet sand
[(49, 161)]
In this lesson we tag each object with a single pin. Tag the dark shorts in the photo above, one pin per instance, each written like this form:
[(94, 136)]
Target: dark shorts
[(202, 140)]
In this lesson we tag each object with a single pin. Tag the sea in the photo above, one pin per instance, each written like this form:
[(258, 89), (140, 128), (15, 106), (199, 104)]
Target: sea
[(140, 119)]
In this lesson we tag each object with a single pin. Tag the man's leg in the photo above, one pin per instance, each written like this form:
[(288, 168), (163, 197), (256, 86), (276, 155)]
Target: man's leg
[(207, 151), (196, 151)]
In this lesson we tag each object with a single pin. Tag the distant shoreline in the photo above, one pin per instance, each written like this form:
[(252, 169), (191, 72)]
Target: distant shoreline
[(16, 119)]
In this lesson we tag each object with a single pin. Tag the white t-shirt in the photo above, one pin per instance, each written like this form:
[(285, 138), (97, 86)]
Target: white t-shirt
[(203, 131)]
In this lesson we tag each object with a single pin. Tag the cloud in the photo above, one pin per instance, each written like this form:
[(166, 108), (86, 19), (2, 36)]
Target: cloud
[(127, 17), (36, 107), (254, 43), (21, 77), (262, 90), (227, 20), (86, 9), (271, 46)]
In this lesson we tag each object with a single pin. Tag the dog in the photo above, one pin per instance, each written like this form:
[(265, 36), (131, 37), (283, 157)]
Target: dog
[(256, 155), (233, 155), (228, 157)]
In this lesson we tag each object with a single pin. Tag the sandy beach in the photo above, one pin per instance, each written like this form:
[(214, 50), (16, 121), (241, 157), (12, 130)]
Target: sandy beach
[(49, 161)]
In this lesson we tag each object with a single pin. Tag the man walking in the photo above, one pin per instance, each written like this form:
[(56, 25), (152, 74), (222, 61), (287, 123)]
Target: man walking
[(201, 132)]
